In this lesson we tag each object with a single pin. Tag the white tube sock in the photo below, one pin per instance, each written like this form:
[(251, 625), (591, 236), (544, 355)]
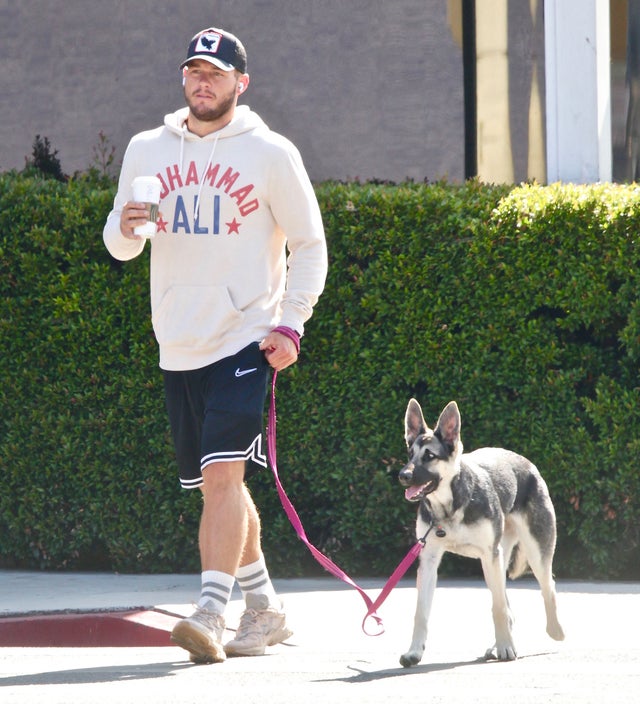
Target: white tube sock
[(216, 590), (254, 579)]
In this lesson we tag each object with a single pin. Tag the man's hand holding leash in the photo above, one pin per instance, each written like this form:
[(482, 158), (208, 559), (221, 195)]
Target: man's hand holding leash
[(281, 348)]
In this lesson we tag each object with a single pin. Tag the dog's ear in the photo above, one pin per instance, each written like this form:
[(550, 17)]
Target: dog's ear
[(414, 424), (448, 427)]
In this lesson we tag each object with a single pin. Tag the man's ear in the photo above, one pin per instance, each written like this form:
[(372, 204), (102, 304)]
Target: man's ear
[(243, 83)]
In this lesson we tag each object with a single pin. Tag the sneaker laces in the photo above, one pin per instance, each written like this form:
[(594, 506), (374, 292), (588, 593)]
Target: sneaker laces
[(248, 624), (210, 619)]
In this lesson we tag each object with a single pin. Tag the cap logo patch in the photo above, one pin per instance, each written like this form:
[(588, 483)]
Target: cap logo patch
[(208, 43)]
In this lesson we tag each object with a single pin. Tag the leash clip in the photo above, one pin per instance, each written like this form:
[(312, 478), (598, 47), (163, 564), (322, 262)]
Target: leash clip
[(440, 532), (423, 540)]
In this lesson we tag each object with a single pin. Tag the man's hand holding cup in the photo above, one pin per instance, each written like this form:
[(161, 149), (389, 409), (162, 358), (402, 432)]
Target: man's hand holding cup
[(138, 218)]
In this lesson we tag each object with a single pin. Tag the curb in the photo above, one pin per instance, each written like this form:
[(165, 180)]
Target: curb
[(131, 628)]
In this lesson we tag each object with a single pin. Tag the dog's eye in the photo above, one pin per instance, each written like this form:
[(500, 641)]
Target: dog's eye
[(428, 455)]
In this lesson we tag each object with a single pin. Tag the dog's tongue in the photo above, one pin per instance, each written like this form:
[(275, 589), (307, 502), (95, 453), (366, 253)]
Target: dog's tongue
[(412, 491)]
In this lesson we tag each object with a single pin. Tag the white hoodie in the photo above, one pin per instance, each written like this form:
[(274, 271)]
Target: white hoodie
[(230, 203)]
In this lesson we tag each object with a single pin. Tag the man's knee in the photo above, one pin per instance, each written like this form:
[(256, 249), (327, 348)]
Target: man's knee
[(222, 476)]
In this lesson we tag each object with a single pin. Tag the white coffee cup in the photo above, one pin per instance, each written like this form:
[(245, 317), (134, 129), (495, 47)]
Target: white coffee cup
[(146, 189)]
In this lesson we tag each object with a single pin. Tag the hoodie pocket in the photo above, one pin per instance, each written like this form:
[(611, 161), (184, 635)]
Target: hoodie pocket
[(195, 316)]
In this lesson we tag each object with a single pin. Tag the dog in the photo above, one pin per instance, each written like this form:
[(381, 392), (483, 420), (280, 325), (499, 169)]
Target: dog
[(490, 504)]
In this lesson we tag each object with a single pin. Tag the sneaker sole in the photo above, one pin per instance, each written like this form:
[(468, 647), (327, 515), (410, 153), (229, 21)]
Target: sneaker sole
[(202, 649), (239, 650)]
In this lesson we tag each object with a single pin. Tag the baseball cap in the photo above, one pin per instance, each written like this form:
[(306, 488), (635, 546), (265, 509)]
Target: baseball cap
[(220, 48)]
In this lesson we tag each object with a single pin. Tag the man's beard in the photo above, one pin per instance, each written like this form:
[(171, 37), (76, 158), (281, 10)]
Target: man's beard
[(212, 114)]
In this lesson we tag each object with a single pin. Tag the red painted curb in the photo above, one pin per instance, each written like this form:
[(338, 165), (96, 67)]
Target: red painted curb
[(136, 628)]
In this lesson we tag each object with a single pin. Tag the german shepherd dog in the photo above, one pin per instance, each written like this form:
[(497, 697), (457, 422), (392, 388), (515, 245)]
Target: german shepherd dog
[(490, 504)]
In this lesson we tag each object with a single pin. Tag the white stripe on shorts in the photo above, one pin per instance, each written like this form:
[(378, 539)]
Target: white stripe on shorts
[(254, 452)]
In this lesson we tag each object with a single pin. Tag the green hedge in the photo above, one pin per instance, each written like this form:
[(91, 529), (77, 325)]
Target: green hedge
[(518, 302)]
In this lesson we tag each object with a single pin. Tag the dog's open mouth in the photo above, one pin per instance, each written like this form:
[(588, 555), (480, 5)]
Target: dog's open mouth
[(415, 493)]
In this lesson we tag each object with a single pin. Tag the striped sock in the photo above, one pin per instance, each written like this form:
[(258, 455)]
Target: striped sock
[(216, 590), (254, 579)]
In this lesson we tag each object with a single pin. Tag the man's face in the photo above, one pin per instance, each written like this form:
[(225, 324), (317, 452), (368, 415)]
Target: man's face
[(210, 92)]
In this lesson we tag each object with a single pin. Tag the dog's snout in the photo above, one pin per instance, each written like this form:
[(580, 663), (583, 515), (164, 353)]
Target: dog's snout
[(405, 475)]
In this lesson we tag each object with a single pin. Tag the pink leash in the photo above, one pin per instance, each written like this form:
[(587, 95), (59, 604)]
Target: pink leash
[(372, 606)]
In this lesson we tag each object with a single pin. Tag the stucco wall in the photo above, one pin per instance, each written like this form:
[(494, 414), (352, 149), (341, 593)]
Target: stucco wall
[(365, 88)]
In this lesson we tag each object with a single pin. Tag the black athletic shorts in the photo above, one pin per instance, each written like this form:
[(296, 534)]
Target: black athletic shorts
[(216, 413)]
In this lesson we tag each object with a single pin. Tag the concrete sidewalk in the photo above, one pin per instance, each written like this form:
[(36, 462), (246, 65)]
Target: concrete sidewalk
[(329, 658)]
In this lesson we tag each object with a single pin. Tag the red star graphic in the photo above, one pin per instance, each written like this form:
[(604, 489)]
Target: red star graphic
[(162, 224), (234, 226)]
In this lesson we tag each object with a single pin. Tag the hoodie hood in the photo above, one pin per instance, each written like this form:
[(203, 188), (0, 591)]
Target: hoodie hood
[(244, 120)]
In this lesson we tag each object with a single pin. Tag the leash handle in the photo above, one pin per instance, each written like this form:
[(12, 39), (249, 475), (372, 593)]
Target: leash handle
[(322, 559)]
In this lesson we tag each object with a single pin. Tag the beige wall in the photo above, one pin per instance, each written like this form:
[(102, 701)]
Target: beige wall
[(510, 90)]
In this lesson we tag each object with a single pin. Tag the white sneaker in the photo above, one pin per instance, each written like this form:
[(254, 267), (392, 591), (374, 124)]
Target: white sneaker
[(201, 635), (260, 625)]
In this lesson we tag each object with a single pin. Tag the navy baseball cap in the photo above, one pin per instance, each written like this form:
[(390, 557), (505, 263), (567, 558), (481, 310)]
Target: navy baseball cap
[(220, 48)]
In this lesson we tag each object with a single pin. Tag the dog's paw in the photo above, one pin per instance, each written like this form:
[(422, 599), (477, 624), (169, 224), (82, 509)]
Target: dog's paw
[(554, 629), (410, 659), (501, 651)]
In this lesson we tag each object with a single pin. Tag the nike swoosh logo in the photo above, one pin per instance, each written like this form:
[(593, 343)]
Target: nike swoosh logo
[(242, 372)]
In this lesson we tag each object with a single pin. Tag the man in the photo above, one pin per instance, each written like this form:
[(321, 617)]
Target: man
[(226, 304)]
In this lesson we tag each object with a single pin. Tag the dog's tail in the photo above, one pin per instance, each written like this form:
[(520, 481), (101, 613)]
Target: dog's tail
[(518, 563)]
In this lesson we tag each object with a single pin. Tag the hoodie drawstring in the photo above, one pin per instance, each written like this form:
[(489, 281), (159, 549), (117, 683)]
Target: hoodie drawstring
[(206, 167), (204, 173), (181, 156)]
